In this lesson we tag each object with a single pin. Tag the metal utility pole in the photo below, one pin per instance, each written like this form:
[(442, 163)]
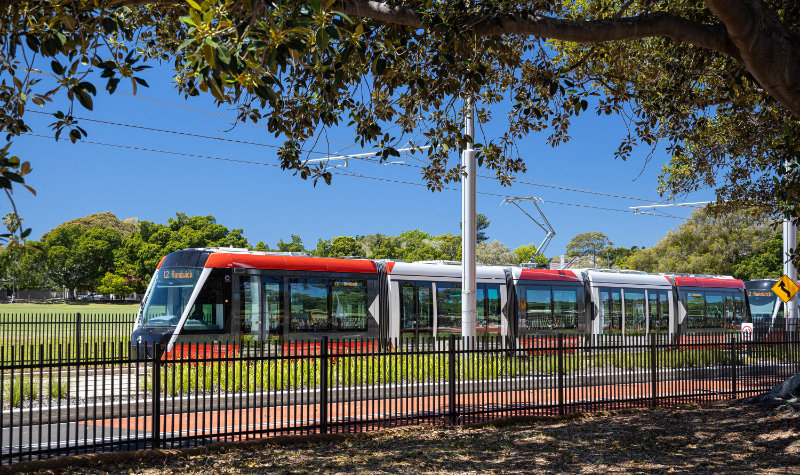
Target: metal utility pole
[(789, 243), (469, 229)]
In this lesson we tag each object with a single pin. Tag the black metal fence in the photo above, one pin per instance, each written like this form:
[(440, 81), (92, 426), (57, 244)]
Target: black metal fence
[(77, 329), (195, 394)]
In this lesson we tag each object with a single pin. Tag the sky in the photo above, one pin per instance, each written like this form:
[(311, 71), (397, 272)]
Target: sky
[(74, 180)]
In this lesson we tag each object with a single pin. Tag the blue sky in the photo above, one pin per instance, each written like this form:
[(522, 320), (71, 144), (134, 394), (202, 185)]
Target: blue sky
[(74, 180)]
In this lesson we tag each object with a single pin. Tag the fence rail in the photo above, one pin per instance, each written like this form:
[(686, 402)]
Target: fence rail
[(127, 398), (76, 328)]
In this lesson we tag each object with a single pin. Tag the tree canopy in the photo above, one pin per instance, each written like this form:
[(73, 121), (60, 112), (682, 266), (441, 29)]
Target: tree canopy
[(589, 244), (716, 81), (745, 244)]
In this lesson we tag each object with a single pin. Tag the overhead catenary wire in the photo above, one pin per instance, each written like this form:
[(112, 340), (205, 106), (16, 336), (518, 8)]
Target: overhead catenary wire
[(340, 173), (346, 147), (362, 157), (176, 132)]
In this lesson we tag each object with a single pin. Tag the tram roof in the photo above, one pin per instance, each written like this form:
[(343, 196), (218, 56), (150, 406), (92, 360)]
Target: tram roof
[(616, 277), (723, 282), (548, 274), (288, 262), (441, 269)]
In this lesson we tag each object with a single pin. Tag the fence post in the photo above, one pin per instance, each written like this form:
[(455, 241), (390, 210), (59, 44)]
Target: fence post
[(451, 379), (653, 374), (78, 336), (560, 374), (323, 386), (733, 366), (156, 429)]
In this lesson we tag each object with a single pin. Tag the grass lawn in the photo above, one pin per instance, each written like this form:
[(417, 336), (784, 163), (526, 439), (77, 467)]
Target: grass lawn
[(68, 307)]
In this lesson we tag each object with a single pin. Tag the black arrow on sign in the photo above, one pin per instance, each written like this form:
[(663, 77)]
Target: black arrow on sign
[(782, 286)]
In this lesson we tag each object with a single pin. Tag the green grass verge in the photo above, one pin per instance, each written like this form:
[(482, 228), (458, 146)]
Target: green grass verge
[(286, 374), (61, 306)]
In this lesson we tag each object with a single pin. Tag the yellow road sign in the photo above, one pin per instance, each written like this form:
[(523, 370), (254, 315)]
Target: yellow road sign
[(785, 288)]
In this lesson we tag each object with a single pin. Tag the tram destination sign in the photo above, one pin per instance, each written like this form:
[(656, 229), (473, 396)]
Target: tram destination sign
[(785, 288)]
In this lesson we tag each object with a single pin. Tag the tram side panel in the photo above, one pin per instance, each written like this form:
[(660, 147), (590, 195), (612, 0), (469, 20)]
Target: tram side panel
[(425, 301), (630, 303)]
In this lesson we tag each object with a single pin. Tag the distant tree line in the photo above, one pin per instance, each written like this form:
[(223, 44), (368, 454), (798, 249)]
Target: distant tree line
[(104, 254), (746, 244)]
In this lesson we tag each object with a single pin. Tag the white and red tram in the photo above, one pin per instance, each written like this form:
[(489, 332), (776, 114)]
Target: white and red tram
[(224, 294)]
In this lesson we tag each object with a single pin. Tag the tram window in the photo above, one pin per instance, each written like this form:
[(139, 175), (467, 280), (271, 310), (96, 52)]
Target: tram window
[(730, 313), (210, 311), (249, 305), (658, 301), (349, 305), (537, 308), (634, 310), (309, 305), (416, 309), (611, 308), (492, 317), (480, 308), (738, 309), (448, 313), (695, 309), (273, 304), (319, 305), (565, 308), (716, 309)]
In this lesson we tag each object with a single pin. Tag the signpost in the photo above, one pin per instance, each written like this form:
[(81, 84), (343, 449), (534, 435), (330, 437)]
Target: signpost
[(785, 289), (747, 332)]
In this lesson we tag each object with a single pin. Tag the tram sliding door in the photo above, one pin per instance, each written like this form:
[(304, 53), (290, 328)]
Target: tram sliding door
[(416, 310)]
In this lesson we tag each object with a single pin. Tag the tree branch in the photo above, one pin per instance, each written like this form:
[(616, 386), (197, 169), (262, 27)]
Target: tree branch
[(769, 50), (711, 37)]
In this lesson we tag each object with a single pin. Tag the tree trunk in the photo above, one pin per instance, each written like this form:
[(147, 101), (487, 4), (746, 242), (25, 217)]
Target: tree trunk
[(786, 392)]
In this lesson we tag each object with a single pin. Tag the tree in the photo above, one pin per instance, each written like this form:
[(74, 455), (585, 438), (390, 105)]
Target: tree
[(139, 255), (524, 254), (342, 246), (743, 244), (105, 220), (295, 245), (715, 80), (494, 253), (449, 245), (616, 256), (589, 244), (78, 258), (115, 284), (481, 224), (764, 262)]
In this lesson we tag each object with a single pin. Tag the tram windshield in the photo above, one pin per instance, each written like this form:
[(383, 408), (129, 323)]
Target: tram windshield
[(762, 305), (169, 296)]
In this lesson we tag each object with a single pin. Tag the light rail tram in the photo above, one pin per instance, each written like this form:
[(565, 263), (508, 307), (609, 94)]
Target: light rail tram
[(227, 295)]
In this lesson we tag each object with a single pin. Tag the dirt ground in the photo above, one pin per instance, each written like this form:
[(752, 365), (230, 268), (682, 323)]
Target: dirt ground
[(729, 437)]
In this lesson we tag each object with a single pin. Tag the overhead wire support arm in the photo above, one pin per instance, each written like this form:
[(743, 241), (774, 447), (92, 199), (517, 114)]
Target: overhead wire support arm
[(545, 224)]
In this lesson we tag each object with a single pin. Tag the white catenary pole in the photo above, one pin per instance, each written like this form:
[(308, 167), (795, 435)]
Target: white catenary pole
[(468, 228), (790, 242)]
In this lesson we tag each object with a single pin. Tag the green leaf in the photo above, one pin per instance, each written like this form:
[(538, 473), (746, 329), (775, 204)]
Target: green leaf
[(57, 67), (194, 5), (84, 98), (223, 54), (112, 85)]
